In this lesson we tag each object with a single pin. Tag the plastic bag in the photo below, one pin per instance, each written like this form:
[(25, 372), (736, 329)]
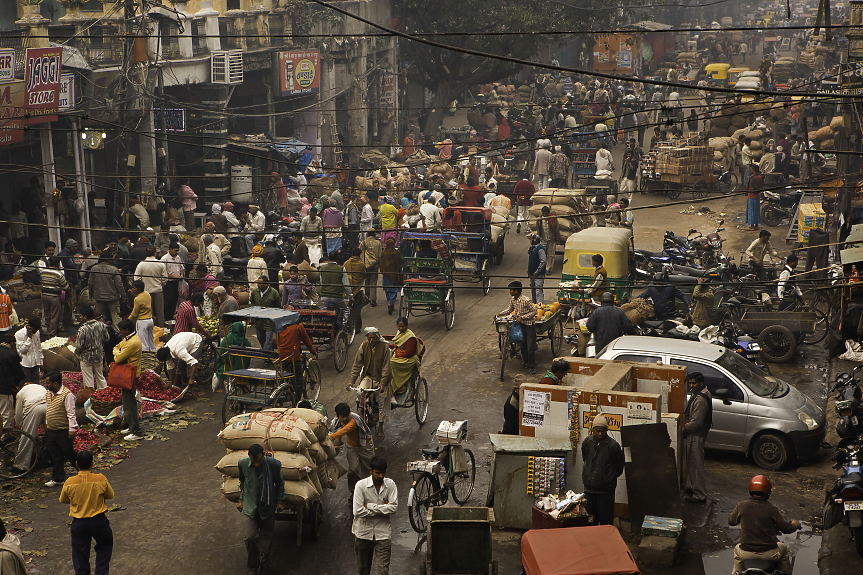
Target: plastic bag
[(516, 335), (183, 290)]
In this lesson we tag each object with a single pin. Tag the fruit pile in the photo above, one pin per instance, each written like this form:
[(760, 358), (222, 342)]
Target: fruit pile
[(211, 324), (544, 312), (111, 394), (153, 387)]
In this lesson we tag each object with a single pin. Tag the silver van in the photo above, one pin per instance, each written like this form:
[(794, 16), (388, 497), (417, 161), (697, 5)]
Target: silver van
[(753, 412)]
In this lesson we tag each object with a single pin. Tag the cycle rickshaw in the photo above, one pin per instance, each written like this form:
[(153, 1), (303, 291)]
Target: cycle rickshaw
[(253, 389), (428, 271), (472, 228)]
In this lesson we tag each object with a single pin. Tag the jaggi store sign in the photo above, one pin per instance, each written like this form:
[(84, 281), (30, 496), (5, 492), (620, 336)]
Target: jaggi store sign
[(7, 65), (299, 72)]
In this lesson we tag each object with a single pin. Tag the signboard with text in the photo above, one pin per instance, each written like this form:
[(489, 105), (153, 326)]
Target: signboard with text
[(42, 75), (299, 72), (7, 65), (67, 92)]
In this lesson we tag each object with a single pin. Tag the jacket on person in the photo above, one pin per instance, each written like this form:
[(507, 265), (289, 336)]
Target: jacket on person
[(10, 370), (608, 323), (603, 464), (760, 521), (253, 491), (105, 284), (698, 414), (704, 298), (536, 261), (270, 298)]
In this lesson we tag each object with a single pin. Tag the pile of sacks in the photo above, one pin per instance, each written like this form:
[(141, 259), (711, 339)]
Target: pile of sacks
[(825, 138), (685, 58), (567, 205), (374, 159), (500, 222), (724, 152), (638, 310), (296, 437), (784, 69)]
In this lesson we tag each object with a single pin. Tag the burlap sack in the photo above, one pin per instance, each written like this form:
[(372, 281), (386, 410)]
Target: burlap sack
[(328, 447), (52, 361), (231, 489), (280, 434), (824, 133), (300, 492), (313, 477), (837, 123), (317, 422), (556, 210), (317, 453), (295, 466)]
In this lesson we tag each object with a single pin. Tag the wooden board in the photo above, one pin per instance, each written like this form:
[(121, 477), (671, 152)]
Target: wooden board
[(651, 473)]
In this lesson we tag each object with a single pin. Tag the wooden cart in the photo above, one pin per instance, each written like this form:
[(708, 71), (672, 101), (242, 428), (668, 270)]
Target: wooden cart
[(310, 514), (779, 331)]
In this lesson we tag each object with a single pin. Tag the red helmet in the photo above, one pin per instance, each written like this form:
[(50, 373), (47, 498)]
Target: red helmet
[(759, 486)]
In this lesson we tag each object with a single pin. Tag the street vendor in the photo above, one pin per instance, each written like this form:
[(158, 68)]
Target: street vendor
[(186, 347), (225, 361), (129, 351), (559, 368), (405, 347), (524, 312), (373, 359), (262, 493)]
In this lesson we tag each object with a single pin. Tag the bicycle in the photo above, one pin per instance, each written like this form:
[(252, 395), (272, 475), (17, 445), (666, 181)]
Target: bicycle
[(427, 491), (9, 446)]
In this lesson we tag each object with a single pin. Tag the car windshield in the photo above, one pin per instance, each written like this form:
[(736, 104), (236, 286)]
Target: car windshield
[(756, 380)]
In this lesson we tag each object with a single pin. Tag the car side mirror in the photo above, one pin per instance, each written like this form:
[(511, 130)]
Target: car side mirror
[(723, 394)]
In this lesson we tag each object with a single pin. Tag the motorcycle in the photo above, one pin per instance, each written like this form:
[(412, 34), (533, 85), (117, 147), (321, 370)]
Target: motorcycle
[(849, 419), (761, 567), (653, 262), (707, 249), (844, 503), (777, 207)]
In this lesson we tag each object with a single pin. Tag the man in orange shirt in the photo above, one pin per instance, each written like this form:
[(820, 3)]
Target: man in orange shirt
[(358, 437), (290, 340), (6, 311), (86, 494)]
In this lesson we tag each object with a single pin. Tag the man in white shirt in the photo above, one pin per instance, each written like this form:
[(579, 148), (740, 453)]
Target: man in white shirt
[(228, 212), (376, 498), (212, 256), (185, 346), (30, 406), (256, 221), (787, 289), (300, 182), (29, 346), (176, 271), (50, 249), (154, 275), (367, 216)]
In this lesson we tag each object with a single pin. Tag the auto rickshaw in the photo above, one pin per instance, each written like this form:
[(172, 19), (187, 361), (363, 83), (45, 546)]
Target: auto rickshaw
[(733, 74), (616, 247), (718, 72)]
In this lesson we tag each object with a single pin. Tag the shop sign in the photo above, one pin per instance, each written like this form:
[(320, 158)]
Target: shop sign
[(42, 71), (67, 92), (7, 65), (299, 72)]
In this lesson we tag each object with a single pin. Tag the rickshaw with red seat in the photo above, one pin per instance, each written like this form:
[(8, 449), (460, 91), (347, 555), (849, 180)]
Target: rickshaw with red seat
[(472, 228), (427, 266)]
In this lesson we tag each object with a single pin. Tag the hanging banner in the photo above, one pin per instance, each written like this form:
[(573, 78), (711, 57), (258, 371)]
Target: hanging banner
[(7, 65), (42, 75), (67, 92), (299, 72)]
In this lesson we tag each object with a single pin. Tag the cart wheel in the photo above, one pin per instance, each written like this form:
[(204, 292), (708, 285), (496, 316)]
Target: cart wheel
[(12, 440), (557, 339), (284, 399), (351, 328), (312, 381), (699, 190), (449, 311), (424, 486), (340, 351), (316, 520), (421, 400), (673, 193), (777, 343), (230, 408), (404, 307), (486, 281), (728, 182), (821, 328)]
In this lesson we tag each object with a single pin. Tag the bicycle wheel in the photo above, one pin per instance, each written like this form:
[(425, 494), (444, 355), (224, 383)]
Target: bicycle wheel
[(422, 489), (340, 351), (312, 381), (231, 408), (728, 182), (351, 329), (421, 400), (821, 327), (504, 352), (12, 440), (462, 483)]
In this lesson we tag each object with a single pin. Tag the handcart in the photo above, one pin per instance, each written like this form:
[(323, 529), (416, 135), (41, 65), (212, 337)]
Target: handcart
[(472, 228), (550, 328), (675, 170), (459, 541), (253, 389), (779, 332), (310, 515), (322, 324), (428, 276)]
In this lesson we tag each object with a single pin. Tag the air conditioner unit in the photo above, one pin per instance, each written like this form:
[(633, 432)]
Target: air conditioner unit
[(226, 67)]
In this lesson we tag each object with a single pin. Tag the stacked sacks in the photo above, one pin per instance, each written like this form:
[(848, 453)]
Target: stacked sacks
[(567, 205), (825, 138), (784, 69), (724, 152), (298, 438), (500, 219)]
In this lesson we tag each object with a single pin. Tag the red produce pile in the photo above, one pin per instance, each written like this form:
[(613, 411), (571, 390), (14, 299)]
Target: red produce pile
[(149, 406), (73, 381), (108, 394), (84, 439), (151, 386)]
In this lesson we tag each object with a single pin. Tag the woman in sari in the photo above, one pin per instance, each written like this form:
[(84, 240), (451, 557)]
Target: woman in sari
[(227, 362), (405, 358), (391, 269)]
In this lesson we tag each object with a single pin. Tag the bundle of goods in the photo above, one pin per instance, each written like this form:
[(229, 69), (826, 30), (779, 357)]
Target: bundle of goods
[(825, 138), (296, 437), (783, 69), (685, 58), (726, 21), (724, 152), (442, 168), (807, 58), (374, 159), (566, 205), (684, 165), (500, 220), (569, 506), (638, 310), (418, 158), (810, 217)]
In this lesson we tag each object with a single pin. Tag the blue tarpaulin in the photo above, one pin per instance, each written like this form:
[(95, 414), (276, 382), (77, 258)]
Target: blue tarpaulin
[(289, 148)]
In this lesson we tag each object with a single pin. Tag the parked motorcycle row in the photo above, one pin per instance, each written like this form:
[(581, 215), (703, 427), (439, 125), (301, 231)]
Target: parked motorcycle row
[(844, 503)]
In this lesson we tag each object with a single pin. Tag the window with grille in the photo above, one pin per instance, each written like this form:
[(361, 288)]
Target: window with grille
[(199, 37), (170, 39)]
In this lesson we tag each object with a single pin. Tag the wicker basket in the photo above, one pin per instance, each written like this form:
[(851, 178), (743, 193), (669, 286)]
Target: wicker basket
[(104, 408)]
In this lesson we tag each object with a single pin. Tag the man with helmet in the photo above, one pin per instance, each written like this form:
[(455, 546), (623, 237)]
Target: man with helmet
[(608, 322), (759, 522), (697, 420)]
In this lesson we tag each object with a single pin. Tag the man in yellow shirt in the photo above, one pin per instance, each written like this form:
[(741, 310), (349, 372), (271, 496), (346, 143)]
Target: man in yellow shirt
[(86, 494), (129, 351)]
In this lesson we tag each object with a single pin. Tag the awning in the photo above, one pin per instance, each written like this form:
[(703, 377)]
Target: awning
[(281, 318), (289, 148)]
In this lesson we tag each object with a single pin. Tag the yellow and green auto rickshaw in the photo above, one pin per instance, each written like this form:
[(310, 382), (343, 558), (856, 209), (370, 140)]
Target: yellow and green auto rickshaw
[(718, 72), (616, 248)]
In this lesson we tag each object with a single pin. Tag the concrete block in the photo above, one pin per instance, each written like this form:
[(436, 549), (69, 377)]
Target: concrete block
[(654, 551)]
